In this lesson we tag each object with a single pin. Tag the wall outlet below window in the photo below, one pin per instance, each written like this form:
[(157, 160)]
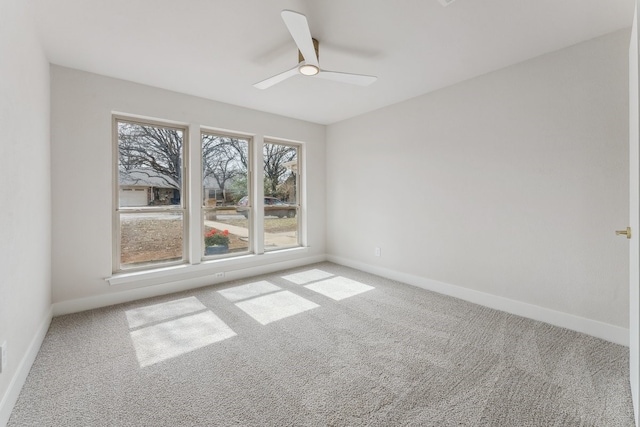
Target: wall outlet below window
[(219, 275), (378, 252)]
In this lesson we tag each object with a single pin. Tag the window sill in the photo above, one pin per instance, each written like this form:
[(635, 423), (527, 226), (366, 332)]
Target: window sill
[(176, 273)]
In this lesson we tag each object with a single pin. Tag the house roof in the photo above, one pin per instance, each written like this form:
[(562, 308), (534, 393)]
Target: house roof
[(218, 49), (210, 182)]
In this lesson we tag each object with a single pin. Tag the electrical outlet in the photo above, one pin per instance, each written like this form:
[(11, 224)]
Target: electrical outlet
[(3, 357), (219, 275), (378, 252)]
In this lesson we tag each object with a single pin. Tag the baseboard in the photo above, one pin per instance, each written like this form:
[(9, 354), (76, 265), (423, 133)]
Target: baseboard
[(241, 272), (605, 331), (11, 396)]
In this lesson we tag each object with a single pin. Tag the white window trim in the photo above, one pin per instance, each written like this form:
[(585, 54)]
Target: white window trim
[(257, 201), (176, 273), (193, 264), (300, 195), (199, 248), (117, 210)]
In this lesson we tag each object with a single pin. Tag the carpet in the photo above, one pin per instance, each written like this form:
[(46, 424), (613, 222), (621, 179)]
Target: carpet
[(321, 345)]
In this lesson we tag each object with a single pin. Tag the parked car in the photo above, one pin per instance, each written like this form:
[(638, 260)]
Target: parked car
[(272, 207)]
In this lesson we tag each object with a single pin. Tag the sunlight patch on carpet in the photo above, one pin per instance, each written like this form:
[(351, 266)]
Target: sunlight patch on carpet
[(167, 310), (339, 288), (174, 338), (307, 276), (250, 290), (273, 307)]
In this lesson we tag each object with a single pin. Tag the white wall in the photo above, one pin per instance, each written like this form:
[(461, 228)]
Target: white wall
[(510, 184), (25, 237), (82, 106)]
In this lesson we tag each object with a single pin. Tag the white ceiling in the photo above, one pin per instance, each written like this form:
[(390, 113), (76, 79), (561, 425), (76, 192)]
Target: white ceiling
[(217, 49)]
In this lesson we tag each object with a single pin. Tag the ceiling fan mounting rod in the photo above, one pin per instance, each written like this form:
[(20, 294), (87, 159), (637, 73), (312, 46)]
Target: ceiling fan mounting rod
[(315, 46)]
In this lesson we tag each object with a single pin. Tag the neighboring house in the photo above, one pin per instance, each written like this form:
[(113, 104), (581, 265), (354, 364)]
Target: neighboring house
[(288, 187), (291, 166), (211, 191), (144, 187)]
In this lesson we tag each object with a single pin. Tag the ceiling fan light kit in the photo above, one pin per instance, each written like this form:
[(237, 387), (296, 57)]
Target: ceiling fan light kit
[(308, 55), (308, 70)]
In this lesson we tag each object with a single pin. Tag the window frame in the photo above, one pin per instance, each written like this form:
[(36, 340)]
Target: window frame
[(251, 247), (117, 210), (191, 206), (299, 146)]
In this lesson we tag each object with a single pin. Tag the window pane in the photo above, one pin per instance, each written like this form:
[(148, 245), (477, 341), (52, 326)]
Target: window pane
[(149, 165), (231, 229), (149, 238), (224, 169), (225, 193), (280, 232), (280, 172), (281, 196)]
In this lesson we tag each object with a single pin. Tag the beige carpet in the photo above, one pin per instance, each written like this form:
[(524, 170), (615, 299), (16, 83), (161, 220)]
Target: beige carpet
[(315, 346)]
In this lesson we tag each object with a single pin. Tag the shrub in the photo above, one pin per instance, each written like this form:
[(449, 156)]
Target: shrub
[(216, 238)]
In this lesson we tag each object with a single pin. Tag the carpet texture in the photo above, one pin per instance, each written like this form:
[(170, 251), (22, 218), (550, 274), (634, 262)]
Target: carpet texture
[(322, 345)]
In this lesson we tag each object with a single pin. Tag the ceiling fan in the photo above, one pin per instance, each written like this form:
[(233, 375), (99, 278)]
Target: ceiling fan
[(308, 56)]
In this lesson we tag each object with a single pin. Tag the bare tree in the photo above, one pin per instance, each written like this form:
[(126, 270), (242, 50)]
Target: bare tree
[(223, 158), (145, 148), (151, 150), (275, 158)]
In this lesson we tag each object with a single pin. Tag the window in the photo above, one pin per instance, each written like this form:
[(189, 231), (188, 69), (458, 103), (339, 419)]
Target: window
[(226, 210), (183, 201), (281, 201), (150, 201)]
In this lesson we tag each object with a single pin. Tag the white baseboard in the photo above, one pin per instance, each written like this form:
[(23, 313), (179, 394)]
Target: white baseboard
[(594, 328), (605, 331), (15, 386), (146, 291)]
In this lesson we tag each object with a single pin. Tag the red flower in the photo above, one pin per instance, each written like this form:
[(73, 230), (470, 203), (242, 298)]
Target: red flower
[(215, 237)]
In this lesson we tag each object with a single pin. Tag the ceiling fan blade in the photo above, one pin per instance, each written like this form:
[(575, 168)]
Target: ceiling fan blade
[(299, 28), (276, 79), (354, 79)]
